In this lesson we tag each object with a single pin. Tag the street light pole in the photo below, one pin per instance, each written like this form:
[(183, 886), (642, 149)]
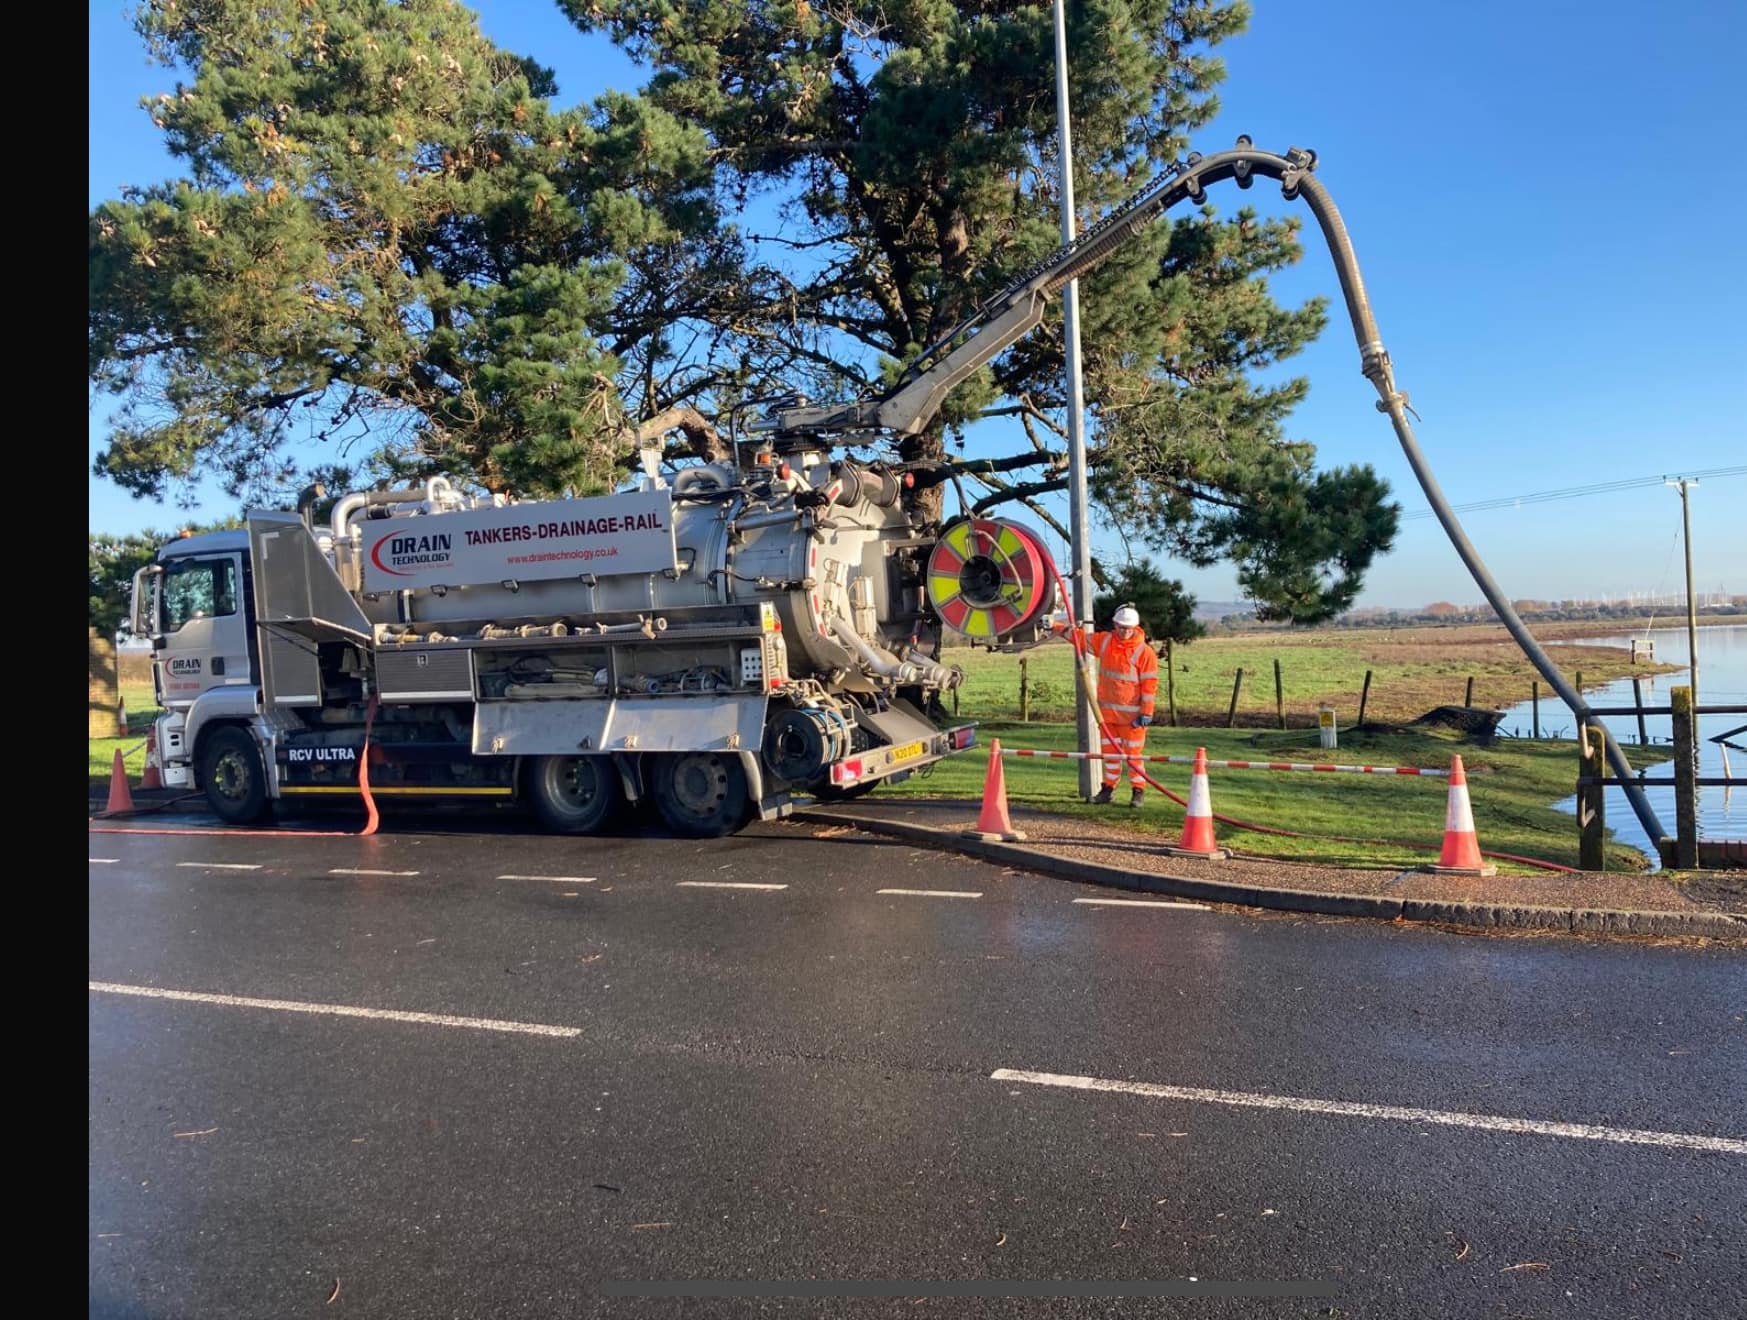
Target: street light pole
[(1683, 484), (1078, 518)]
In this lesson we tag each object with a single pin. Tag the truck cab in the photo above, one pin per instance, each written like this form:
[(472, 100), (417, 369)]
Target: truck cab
[(195, 604)]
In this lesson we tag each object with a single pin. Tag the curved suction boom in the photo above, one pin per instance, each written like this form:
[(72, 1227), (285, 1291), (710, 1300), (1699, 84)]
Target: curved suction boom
[(913, 401)]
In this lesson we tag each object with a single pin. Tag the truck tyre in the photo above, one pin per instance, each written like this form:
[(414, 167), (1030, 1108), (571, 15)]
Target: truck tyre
[(232, 775), (701, 794), (574, 794)]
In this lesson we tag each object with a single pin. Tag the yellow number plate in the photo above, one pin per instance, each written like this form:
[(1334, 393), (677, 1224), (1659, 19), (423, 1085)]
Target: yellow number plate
[(908, 752)]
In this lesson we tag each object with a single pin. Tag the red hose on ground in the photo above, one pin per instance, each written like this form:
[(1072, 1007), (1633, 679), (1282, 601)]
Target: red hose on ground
[(1080, 655), (372, 820)]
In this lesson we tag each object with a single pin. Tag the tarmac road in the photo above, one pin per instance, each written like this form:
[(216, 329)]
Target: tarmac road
[(616, 1072)]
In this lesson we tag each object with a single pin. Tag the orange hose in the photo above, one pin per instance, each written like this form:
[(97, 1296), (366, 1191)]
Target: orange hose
[(372, 820)]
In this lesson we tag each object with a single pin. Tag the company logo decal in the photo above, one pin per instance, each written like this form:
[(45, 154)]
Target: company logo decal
[(404, 554)]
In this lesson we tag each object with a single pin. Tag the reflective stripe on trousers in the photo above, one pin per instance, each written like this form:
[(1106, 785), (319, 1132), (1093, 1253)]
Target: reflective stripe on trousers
[(1129, 742)]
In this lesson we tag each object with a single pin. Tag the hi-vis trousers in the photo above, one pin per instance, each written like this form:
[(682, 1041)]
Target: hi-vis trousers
[(1130, 741)]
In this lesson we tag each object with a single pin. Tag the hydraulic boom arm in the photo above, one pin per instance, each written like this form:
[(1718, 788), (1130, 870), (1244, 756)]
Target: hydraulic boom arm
[(913, 402)]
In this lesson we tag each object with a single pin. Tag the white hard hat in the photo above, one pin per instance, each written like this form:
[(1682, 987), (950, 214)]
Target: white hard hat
[(1128, 617)]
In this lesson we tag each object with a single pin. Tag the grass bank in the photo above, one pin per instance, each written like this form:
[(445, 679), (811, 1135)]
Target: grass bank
[(140, 704), (1512, 784)]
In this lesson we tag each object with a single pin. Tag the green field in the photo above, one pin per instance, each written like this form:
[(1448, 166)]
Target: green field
[(1413, 671), (1512, 785)]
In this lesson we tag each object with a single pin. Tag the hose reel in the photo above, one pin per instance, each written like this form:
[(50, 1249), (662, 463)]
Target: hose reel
[(989, 577)]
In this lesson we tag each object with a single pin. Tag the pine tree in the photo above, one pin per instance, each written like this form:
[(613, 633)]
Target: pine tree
[(910, 151), (390, 239), (387, 236)]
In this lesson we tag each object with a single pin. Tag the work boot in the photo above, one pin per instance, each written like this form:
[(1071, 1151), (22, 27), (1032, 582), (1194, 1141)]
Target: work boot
[(1103, 798), (1137, 797)]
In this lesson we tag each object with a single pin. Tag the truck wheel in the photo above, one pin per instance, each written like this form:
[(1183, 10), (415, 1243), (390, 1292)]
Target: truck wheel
[(701, 794), (233, 777), (574, 794)]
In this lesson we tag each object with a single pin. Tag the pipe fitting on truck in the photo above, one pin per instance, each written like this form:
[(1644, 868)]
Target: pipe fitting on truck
[(363, 499), (877, 486), (705, 477), (916, 669)]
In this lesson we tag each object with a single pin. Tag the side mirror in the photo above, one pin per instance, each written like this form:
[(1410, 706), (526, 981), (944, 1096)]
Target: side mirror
[(141, 614)]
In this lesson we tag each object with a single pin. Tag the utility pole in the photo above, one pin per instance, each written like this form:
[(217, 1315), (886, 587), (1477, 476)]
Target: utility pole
[(1683, 484), (1078, 517)]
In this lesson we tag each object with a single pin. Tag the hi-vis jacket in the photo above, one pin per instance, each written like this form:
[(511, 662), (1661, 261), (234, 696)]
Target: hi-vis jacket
[(1128, 674)]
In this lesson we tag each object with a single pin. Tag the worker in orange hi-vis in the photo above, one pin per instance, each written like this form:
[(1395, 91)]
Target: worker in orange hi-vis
[(1128, 685)]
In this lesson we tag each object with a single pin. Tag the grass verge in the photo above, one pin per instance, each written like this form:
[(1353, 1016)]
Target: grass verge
[(1512, 785)]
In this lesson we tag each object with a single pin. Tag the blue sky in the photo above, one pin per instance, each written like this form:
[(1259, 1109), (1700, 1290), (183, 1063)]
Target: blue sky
[(1547, 209)]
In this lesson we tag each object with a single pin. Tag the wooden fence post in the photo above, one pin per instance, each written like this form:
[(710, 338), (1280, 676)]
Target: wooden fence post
[(1535, 705), (1685, 771), (1236, 687), (1279, 695), (1024, 692), (1591, 798), (1638, 701), (1468, 696), (1170, 683), (1364, 696)]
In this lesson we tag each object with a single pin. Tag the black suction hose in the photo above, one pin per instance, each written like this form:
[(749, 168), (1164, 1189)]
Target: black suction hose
[(1374, 362)]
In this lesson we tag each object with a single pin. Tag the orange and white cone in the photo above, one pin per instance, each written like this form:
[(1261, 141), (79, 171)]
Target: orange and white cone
[(151, 778), (1198, 840), (1461, 853), (120, 795), (994, 825)]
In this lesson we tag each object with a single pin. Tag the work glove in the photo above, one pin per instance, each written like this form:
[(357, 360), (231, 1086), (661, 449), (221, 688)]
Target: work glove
[(1142, 721)]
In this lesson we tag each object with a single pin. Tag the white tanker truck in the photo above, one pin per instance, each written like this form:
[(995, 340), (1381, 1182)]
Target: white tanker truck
[(716, 643)]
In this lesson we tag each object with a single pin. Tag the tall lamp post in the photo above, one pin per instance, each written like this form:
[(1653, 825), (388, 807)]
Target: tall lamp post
[(1078, 519), (1683, 484)]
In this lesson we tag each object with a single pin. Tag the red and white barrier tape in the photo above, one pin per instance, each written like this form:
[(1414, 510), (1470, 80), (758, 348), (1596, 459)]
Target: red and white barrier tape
[(1231, 765)]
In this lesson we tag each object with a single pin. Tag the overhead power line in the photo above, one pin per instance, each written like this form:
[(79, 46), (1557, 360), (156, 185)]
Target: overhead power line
[(1579, 492)]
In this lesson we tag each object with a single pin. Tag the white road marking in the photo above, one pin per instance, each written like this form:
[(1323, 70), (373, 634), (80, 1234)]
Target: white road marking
[(1349, 1109), (560, 879), (103, 861), (724, 884), (1142, 902), (335, 1010), (934, 893), (351, 870), (221, 866)]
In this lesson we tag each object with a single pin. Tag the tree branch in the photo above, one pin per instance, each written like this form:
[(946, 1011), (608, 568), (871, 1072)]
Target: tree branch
[(978, 466), (704, 438), (1020, 492)]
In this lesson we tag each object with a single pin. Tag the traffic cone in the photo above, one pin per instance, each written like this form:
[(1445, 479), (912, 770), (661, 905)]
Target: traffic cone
[(994, 825), (151, 778), (1461, 854), (120, 796), (1198, 840)]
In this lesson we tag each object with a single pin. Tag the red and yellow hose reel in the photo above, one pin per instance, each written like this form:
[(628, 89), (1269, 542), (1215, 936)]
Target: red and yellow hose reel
[(988, 577)]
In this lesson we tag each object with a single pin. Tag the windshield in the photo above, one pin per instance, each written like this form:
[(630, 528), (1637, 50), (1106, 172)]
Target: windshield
[(197, 589)]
